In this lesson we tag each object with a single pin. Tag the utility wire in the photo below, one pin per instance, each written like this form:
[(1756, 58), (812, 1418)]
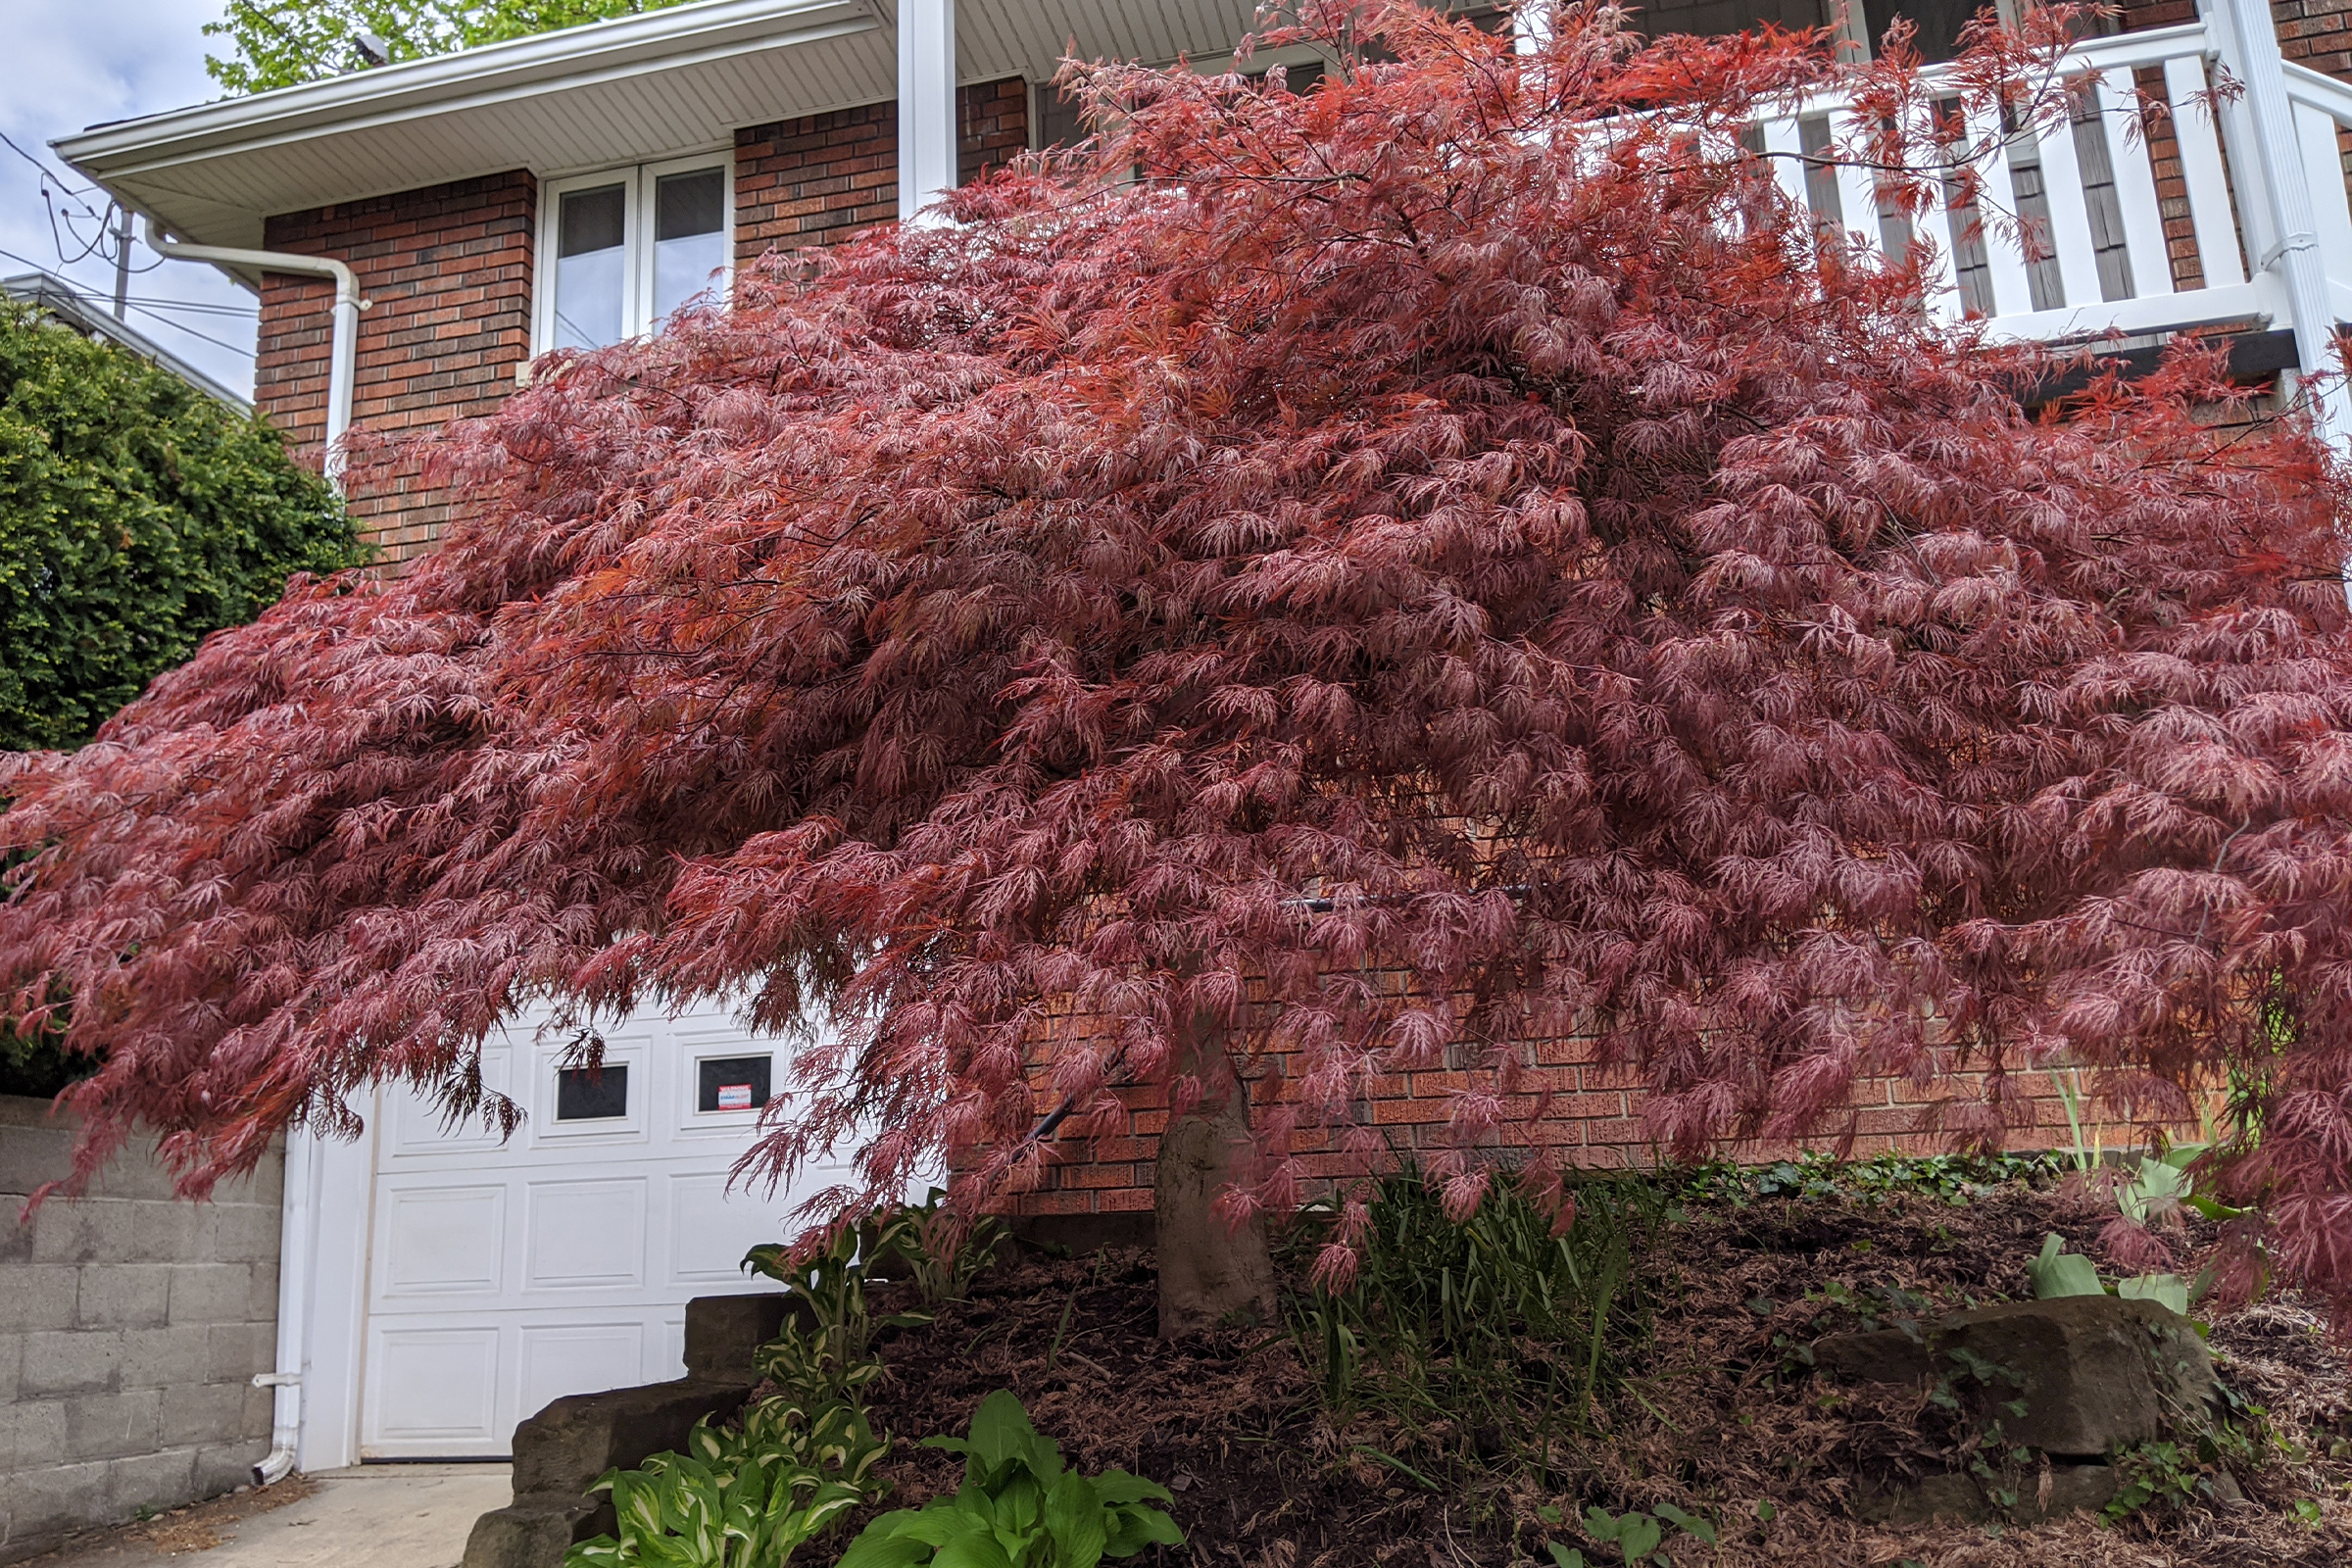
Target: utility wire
[(195, 307), (157, 301), (149, 310), (192, 331), (66, 184)]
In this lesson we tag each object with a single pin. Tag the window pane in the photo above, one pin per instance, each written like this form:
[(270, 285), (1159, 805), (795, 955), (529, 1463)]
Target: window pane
[(689, 236), (589, 266), (1938, 20), (592, 1094), (732, 1083)]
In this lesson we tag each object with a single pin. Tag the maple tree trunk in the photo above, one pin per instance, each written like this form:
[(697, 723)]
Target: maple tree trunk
[(1209, 1273)]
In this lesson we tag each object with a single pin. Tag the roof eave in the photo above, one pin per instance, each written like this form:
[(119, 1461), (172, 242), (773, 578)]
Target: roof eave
[(599, 52)]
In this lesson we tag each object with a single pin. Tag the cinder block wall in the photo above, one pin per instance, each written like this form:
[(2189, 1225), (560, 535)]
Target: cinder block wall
[(131, 1324)]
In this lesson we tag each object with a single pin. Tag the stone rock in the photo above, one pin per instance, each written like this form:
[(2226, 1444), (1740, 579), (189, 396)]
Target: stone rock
[(724, 1332), (560, 1452), (2072, 1489), (2093, 1372), (577, 1439), (528, 1533)]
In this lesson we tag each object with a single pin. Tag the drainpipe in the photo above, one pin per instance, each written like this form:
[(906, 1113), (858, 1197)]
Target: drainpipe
[(298, 1211), (345, 353)]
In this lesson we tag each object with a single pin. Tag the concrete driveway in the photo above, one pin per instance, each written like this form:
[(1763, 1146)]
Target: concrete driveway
[(373, 1516)]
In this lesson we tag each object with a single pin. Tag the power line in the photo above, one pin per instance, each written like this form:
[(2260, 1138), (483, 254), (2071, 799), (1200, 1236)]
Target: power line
[(196, 307), (149, 310), (192, 331), (159, 302), (65, 184)]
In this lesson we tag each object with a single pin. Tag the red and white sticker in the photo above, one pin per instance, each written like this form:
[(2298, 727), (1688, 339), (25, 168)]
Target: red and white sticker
[(734, 1097)]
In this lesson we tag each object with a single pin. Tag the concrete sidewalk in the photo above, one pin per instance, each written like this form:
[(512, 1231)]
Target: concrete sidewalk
[(373, 1516)]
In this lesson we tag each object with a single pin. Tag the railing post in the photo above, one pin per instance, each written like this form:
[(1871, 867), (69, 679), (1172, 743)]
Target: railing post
[(926, 103), (2246, 32)]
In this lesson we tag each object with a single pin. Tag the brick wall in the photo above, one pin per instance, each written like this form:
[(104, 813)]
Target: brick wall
[(447, 274), (2316, 33), (447, 271), (824, 179), (1596, 1123), (130, 1327)]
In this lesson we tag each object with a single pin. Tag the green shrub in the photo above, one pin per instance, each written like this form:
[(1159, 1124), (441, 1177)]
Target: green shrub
[(1019, 1507), (825, 1352), (935, 1251), (136, 515)]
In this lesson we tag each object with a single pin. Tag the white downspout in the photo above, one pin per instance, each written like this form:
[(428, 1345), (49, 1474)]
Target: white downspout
[(345, 353), (298, 1213)]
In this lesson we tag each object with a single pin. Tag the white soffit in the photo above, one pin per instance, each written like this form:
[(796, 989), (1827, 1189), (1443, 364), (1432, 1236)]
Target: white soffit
[(634, 89), (661, 82)]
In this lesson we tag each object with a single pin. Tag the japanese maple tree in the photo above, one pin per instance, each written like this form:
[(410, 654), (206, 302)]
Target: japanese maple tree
[(1432, 566)]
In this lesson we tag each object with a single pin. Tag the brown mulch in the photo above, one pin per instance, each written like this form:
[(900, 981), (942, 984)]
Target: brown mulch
[(1720, 1418), (179, 1532)]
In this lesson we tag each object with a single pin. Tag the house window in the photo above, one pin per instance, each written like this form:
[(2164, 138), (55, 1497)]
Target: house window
[(627, 247)]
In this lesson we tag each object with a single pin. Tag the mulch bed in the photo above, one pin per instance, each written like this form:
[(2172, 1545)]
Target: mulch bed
[(1718, 1420)]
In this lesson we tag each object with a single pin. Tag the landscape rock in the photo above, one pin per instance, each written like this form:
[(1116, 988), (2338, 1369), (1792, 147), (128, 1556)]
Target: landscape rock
[(2095, 1373), (2072, 1488)]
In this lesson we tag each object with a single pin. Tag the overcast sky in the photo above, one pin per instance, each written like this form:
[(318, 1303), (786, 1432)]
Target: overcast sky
[(77, 63)]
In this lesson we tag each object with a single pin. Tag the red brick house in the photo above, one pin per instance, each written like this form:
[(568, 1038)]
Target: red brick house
[(574, 188)]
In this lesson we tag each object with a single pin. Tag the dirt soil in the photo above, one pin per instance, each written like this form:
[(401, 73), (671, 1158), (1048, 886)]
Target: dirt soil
[(1722, 1419), (197, 1526)]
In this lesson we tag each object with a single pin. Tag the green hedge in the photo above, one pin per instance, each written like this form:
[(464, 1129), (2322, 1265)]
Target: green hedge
[(136, 515)]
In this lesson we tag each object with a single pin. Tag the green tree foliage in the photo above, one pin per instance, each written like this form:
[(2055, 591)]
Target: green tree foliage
[(280, 42), (136, 515)]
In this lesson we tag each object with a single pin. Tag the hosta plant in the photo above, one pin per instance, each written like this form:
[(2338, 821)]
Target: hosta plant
[(937, 1250), (831, 1437), (732, 1502), (1020, 1507), (824, 1353)]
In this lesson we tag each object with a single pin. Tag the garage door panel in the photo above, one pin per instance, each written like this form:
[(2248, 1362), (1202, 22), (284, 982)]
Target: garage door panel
[(711, 1228), (419, 1129), (443, 1239), (563, 1358), (669, 1362), (586, 1235), (435, 1391)]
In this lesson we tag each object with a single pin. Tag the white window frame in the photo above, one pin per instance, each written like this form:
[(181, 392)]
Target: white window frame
[(637, 239)]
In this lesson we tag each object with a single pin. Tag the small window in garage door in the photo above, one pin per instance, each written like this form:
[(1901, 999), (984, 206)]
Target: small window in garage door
[(732, 1083), (593, 1093)]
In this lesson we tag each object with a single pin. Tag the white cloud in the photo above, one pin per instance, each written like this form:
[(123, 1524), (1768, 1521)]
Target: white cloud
[(72, 64)]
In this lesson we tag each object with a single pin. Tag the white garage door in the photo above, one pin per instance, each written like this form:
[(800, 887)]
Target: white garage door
[(501, 1276)]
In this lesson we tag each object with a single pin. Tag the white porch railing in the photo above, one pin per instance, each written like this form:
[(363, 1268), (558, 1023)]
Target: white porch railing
[(2100, 261)]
